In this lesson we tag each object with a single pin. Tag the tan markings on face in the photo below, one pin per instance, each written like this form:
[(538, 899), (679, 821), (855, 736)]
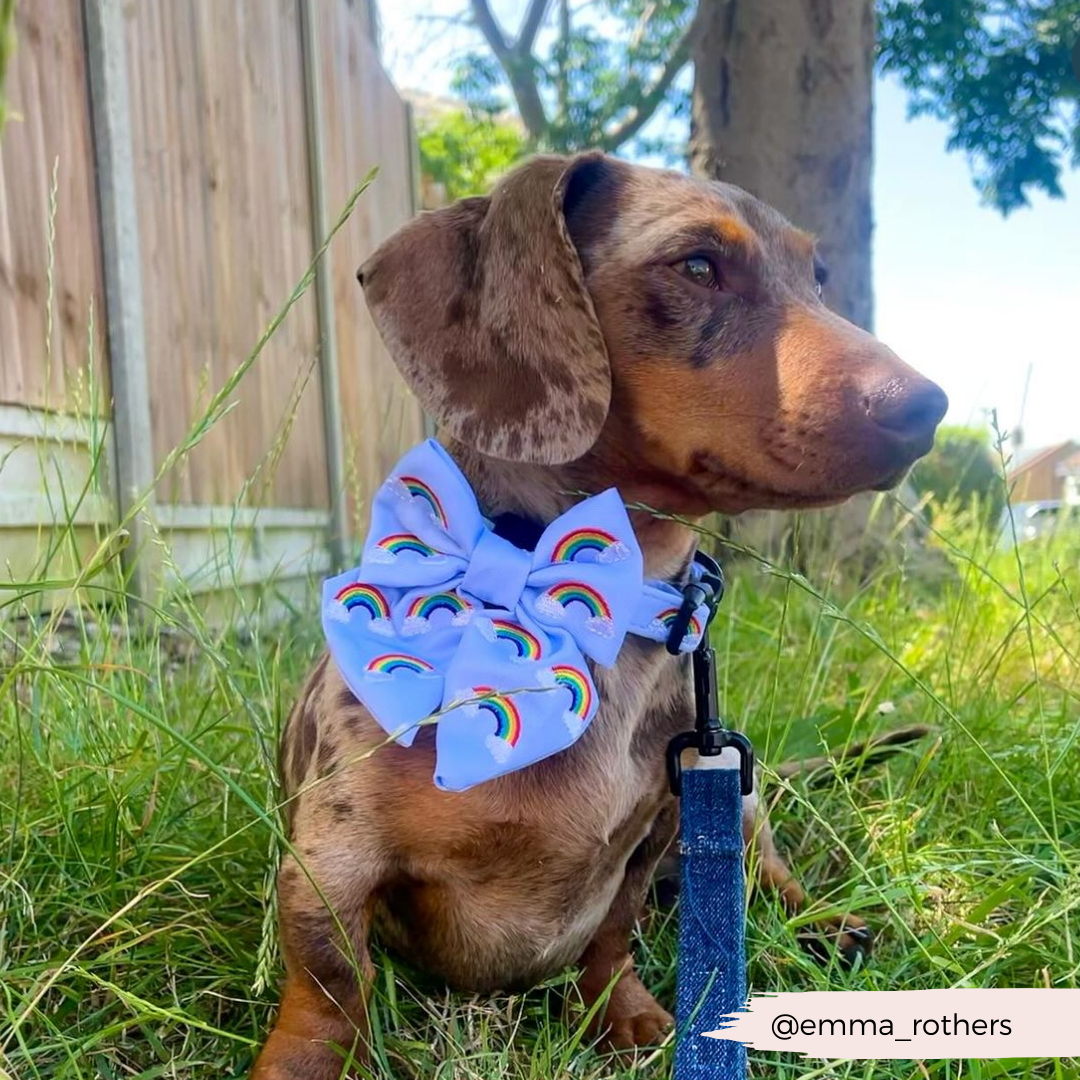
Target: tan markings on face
[(736, 235), (802, 242)]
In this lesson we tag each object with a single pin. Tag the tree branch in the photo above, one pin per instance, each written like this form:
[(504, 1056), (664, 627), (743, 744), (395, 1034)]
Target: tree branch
[(650, 101), (518, 66), (530, 26), (563, 77), (490, 28)]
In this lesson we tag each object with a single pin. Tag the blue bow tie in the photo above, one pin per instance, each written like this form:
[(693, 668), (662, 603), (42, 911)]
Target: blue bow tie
[(443, 615)]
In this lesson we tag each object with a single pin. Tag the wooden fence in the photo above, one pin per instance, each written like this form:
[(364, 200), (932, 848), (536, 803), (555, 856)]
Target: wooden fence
[(189, 155)]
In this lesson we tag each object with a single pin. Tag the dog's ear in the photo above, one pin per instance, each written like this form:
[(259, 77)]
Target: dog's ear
[(484, 308)]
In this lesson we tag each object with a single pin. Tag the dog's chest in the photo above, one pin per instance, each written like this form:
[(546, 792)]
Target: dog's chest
[(580, 817), (598, 790), (542, 853)]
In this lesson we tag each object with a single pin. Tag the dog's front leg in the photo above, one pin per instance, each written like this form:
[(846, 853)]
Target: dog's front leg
[(630, 1016), (848, 934), (322, 1022)]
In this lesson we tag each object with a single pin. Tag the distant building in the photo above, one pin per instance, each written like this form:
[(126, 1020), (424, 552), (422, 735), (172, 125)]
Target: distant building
[(1071, 468), (1047, 472)]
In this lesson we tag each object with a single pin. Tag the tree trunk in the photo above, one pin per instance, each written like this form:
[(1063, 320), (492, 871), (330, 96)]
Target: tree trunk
[(782, 106)]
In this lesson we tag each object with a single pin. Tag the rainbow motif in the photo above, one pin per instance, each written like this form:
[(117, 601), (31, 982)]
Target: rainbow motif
[(388, 663), (526, 645), (365, 596), (400, 542), (573, 543), (668, 617), (507, 717), (569, 592), (423, 607), (419, 490), (581, 694)]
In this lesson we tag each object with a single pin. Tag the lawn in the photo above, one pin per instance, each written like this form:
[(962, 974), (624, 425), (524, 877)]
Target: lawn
[(137, 801), (139, 814)]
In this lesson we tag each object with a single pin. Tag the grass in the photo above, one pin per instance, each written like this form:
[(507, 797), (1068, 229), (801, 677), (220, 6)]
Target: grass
[(139, 824)]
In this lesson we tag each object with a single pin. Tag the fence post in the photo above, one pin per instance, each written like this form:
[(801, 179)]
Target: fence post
[(416, 204), (329, 381), (416, 200), (121, 265)]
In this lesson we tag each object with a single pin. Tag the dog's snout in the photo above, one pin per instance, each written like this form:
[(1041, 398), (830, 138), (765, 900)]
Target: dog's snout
[(910, 408), (366, 271)]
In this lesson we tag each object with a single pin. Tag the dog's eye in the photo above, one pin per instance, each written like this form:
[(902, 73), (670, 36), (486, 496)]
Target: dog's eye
[(699, 270), (821, 275)]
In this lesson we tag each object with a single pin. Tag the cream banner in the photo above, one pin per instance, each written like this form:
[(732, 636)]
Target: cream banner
[(911, 1023)]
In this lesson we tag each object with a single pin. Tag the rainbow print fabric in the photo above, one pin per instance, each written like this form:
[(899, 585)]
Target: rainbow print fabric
[(445, 617)]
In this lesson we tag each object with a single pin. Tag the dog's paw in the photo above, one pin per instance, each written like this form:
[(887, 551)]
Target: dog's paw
[(632, 1017), (296, 1057), (644, 1028), (846, 935)]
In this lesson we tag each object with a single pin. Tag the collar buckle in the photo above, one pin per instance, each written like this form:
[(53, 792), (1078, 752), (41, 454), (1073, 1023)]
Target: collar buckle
[(706, 587)]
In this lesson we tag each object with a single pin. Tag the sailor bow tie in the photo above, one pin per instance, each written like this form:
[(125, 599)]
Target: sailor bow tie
[(443, 615)]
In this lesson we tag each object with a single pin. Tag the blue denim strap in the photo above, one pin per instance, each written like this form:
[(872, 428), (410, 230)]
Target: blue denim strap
[(712, 953)]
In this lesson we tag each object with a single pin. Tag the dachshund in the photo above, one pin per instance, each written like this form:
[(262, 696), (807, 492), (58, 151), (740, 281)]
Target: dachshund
[(589, 324)]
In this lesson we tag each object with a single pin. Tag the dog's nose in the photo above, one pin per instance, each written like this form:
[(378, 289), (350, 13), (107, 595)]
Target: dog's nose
[(909, 408)]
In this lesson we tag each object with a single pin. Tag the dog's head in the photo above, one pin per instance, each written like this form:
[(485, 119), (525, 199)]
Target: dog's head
[(592, 307)]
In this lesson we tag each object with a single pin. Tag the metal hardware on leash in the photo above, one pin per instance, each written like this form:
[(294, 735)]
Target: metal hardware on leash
[(709, 736)]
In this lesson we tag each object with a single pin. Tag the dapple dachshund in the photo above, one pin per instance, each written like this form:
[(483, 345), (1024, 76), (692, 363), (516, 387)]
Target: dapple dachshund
[(590, 324)]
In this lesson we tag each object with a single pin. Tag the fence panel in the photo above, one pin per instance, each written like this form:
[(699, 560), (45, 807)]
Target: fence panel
[(225, 229), (366, 124), (47, 89), (220, 130)]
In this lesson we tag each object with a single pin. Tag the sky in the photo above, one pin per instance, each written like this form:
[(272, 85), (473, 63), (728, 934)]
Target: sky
[(969, 298)]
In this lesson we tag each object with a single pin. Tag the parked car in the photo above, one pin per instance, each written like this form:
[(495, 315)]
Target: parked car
[(1035, 519)]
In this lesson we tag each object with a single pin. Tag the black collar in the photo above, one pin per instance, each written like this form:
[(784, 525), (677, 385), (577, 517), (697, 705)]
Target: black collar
[(522, 532), (525, 533)]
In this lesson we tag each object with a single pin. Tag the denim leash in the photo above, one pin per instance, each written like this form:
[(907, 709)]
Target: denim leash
[(711, 975)]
